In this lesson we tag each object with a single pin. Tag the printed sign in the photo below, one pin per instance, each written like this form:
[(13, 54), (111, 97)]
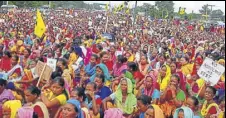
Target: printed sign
[(211, 71), (43, 71), (52, 63)]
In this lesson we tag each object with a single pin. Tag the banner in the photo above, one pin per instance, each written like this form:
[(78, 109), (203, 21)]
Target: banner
[(43, 71), (211, 71)]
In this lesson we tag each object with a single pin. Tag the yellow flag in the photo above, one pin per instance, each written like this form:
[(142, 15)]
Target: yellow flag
[(182, 11), (40, 27)]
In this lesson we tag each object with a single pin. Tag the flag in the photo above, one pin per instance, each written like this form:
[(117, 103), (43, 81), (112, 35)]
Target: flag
[(167, 14), (40, 27), (182, 11)]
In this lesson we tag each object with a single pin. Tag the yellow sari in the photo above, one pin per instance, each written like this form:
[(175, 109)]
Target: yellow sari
[(187, 69), (205, 108), (165, 81)]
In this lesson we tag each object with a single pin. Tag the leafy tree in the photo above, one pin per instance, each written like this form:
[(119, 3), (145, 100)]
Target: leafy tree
[(217, 14), (165, 6), (205, 9)]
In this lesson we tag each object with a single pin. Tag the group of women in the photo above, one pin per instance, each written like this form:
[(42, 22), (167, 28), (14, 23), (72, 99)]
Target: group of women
[(125, 79)]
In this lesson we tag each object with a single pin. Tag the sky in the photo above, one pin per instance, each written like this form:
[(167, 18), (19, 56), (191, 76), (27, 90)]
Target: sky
[(189, 5)]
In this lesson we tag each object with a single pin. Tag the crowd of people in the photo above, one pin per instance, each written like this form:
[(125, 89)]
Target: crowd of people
[(146, 70)]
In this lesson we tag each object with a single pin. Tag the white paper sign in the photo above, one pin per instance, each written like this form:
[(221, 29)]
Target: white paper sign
[(90, 23), (52, 63), (211, 71)]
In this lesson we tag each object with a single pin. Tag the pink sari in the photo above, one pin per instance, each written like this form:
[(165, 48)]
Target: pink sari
[(117, 71)]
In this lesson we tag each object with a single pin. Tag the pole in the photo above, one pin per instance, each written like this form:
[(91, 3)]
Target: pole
[(49, 4), (7, 2), (134, 15)]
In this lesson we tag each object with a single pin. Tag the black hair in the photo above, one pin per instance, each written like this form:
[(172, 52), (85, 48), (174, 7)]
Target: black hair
[(94, 55), (61, 82), (101, 76), (146, 100), (133, 66), (176, 76), (174, 62), (8, 53), (213, 89), (93, 84), (64, 62), (180, 110), (66, 56), (16, 57), (3, 82), (122, 59), (196, 101), (186, 58), (150, 107), (103, 53), (99, 47), (34, 90), (29, 51), (80, 92)]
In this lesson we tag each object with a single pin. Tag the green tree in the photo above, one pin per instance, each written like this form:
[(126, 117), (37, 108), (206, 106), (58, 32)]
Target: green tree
[(165, 6), (205, 9), (217, 14)]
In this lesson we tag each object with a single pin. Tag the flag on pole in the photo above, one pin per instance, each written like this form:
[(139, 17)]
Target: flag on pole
[(182, 11), (40, 27)]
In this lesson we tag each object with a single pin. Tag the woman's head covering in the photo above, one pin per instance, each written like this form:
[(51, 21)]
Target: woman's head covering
[(76, 103), (188, 113), (131, 100), (78, 51), (158, 111), (13, 105), (104, 68)]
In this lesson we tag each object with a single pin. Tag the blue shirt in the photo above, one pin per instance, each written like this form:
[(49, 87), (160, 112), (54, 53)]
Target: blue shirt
[(104, 92)]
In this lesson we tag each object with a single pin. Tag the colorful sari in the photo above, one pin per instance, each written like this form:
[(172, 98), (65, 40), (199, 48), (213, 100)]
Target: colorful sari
[(163, 82), (188, 113), (41, 106), (113, 113), (206, 109), (90, 69), (158, 111), (5, 64), (16, 73), (104, 69), (6, 95), (118, 69), (131, 101), (187, 69)]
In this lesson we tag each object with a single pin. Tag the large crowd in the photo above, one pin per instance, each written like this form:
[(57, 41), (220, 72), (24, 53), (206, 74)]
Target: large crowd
[(144, 70)]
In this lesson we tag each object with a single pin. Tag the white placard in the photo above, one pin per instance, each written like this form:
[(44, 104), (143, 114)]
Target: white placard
[(90, 23), (211, 71), (2, 20), (52, 63)]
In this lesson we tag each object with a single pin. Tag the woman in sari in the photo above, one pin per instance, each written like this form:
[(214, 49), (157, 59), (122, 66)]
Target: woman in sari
[(72, 109), (164, 77), (56, 97), (150, 88), (10, 108), (5, 94), (210, 108), (90, 68), (120, 66), (5, 63), (31, 96), (144, 65), (79, 94), (104, 56), (16, 72), (142, 102), (183, 112), (62, 63), (23, 60), (154, 111), (102, 69), (123, 98), (173, 97), (186, 67), (193, 103)]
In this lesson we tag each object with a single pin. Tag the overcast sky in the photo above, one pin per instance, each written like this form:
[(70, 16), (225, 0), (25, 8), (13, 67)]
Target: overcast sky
[(189, 5)]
